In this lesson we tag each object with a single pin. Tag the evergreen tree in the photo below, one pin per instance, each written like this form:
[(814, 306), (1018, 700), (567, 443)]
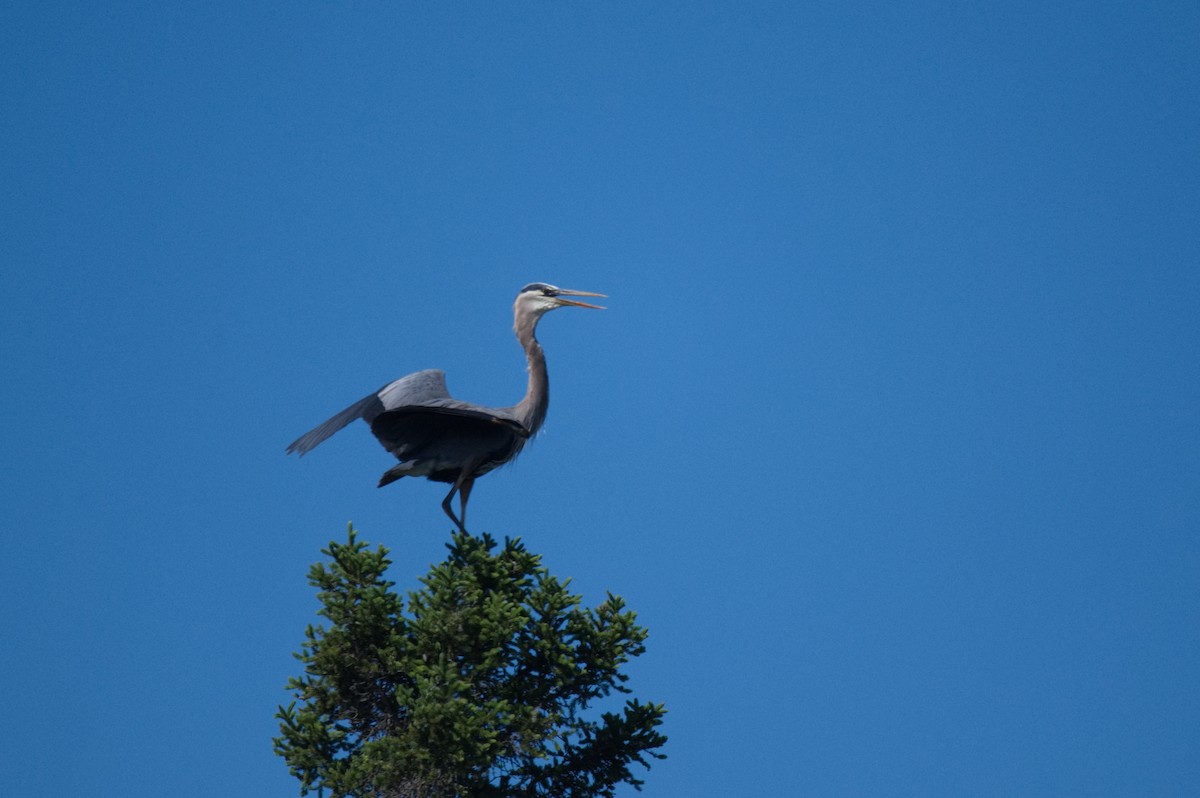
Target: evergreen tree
[(480, 687)]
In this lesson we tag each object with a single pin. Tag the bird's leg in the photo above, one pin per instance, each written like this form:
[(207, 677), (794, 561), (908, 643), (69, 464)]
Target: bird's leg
[(464, 493), (450, 510), (462, 486)]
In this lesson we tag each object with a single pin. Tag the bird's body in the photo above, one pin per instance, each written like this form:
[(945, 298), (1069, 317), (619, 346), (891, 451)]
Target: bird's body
[(432, 434), (443, 439)]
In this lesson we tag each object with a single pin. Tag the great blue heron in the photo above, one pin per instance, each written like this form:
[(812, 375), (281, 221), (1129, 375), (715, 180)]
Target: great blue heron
[(436, 436)]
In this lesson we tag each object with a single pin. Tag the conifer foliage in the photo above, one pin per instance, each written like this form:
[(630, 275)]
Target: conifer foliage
[(480, 686)]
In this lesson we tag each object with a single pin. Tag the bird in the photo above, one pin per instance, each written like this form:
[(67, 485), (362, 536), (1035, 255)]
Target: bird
[(443, 439)]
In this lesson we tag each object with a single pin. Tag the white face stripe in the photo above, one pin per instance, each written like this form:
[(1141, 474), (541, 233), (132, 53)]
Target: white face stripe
[(537, 301)]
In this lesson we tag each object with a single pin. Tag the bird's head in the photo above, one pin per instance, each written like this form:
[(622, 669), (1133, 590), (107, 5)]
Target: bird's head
[(536, 299)]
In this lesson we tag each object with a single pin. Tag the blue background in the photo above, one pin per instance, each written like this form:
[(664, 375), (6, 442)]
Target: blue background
[(889, 434)]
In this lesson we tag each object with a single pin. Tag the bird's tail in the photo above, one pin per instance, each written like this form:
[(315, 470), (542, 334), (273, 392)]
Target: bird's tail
[(395, 472)]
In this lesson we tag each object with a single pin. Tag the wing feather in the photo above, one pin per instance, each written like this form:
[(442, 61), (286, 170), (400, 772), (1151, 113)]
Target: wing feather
[(418, 410), (426, 391), (367, 406)]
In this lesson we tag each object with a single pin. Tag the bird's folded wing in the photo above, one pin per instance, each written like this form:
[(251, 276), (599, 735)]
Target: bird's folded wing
[(424, 421), (413, 412)]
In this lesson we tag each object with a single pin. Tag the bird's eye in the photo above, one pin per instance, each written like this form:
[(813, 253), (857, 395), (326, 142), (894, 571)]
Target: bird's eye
[(548, 292)]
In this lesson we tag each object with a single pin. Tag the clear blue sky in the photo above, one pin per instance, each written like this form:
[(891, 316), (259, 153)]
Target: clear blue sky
[(890, 433)]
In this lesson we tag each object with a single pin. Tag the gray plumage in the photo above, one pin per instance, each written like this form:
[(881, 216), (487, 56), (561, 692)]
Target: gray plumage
[(436, 436)]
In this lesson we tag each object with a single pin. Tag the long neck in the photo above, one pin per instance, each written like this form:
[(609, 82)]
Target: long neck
[(532, 409)]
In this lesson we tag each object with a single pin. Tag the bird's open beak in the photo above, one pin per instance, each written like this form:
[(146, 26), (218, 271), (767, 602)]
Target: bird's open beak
[(568, 292)]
